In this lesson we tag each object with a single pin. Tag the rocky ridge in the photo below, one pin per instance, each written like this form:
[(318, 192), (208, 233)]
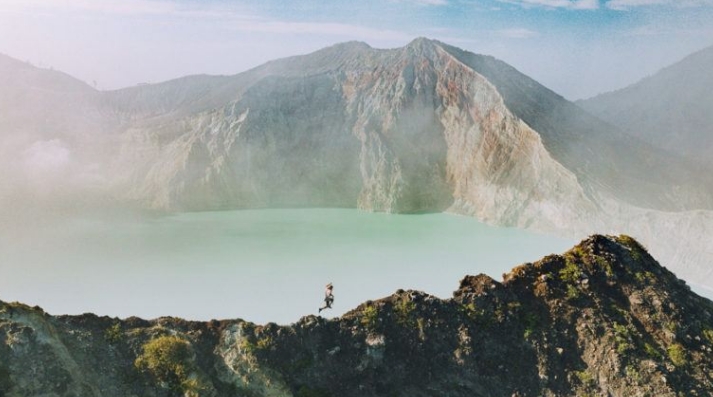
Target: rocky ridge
[(603, 319)]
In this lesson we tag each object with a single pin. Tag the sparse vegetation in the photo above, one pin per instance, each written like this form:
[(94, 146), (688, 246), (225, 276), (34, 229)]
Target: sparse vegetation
[(633, 374), (708, 334), (169, 360), (114, 334), (644, 277), (264, 343), (469, 310), (570, 273), (532, 323), (246, 346), (585, 378), (369, 318), (605, 265), (637, 250), (404, 309), (677, 355), (572, 292), (652, 352), (623, 338)]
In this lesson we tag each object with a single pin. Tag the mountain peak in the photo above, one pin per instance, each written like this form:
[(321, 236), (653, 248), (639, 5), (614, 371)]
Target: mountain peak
[(422, 45)]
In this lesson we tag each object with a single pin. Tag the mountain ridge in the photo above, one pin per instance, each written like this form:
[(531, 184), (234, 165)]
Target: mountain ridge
[(668, 109), (603, 318)]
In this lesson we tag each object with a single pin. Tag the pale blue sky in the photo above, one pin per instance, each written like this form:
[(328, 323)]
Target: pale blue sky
[(576, 47)]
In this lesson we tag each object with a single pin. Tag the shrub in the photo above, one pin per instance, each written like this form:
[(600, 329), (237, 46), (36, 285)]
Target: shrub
[(604, 264), (369, 318), (246, 346), (585, 378), (113, 334), (633, 373), (169, 360), (622, 336), (404, 309), (652, 352), (264, 343), (637, 249), (572, 292), (708, 334), (532, 323), (570, 273)]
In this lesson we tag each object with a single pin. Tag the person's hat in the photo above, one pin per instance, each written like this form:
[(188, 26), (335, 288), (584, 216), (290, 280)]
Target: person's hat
[(329, 285)]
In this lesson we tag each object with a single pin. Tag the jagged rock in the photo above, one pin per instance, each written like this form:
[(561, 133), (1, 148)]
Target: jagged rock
[(645, 335)]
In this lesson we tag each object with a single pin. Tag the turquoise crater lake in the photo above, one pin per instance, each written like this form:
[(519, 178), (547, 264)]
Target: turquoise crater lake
[(259, 265)]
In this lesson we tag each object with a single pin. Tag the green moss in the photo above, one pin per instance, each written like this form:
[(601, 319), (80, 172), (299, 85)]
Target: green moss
[(677, 355)]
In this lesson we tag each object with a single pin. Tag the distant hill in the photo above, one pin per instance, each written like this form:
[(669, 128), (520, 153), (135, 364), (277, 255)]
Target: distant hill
[(671, 109), (603, 319)]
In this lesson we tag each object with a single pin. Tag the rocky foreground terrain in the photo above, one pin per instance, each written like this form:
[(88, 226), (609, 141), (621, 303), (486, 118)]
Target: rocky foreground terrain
[(603, 319)]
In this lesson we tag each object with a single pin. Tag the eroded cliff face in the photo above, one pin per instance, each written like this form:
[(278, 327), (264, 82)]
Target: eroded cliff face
[(405, 130), (603, 319)]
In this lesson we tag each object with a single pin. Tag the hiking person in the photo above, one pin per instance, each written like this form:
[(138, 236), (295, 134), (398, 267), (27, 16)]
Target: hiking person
[(328, 297)]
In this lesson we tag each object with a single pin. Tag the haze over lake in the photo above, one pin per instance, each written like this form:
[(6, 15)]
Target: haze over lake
[(259, 265)]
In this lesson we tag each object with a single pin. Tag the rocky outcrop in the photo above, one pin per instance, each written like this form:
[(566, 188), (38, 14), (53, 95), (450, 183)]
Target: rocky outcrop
[(603, 319)]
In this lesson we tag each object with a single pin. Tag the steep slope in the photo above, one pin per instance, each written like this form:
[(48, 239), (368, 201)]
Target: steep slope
[(604, 319), (605, 159), (670, 109), (404, 130), (396, 123)]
